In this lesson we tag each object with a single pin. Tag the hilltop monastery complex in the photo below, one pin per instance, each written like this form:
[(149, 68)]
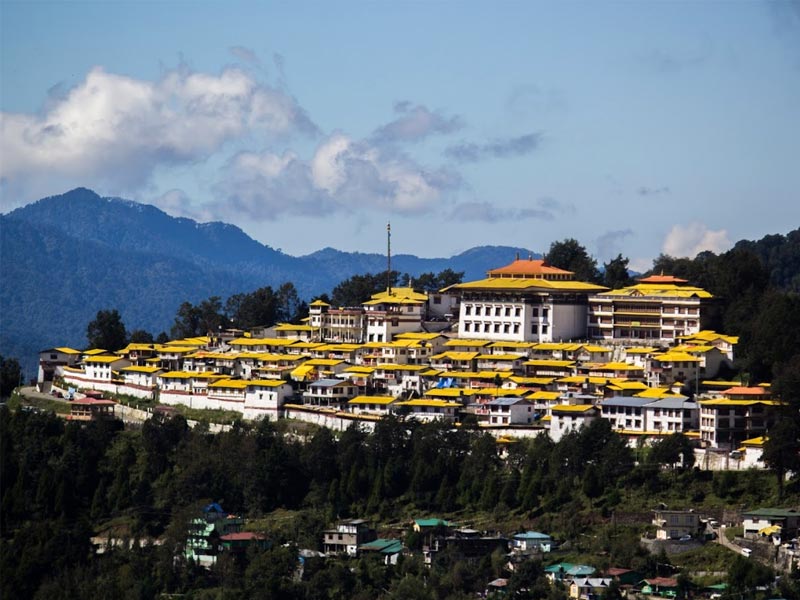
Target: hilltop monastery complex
[(526, 351)]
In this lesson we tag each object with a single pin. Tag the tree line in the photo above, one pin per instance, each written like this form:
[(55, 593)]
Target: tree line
[(61, 479)]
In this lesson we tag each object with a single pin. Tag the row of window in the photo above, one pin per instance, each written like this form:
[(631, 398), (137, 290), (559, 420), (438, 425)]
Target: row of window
[(506, 328)]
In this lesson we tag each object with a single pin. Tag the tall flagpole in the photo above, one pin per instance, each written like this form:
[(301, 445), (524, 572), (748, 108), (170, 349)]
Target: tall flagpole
[(389, 258)]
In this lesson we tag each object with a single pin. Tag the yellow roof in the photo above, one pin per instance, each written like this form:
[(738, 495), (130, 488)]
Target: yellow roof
[(453, 355), (543, 395), (499, 357), (564, 346), (361, 370), (722, 384), (573, 408), (756, 442), (67, 350), (531, 380), (292, 327), (238, 384), (372, 400), (174, 349), (640, 350), (394, 367), (449, 392), (134, 346), (659, 290), (301, 372), (95, 352), (265, 382), (460, 343), (627, 385), (656, 393), (323, 362), (431, 402), (319, 303), (417, 335), (103, 359), (596, 349), (177, 375), (675, 357), (397, 295)]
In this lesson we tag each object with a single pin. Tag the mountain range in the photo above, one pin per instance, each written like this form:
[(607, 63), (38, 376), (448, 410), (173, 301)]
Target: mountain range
[(65, 257)]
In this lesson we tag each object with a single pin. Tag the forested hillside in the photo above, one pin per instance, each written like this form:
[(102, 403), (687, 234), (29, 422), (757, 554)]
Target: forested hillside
[(63, 481), (66, 257)]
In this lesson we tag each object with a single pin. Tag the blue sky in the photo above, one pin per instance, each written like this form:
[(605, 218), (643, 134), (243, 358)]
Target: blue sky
[(637, 128)]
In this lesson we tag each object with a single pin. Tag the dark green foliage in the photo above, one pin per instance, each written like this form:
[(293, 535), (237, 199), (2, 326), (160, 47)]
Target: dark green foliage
[(359, 288), (10, 375), (615, 273), (570, 255), (107, 331)]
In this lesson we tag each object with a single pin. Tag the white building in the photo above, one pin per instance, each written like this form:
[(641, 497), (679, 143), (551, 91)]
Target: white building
[(570, 417), (524, 301)]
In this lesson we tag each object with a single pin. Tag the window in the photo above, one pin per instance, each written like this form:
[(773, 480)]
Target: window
[(486, 327), (468, 309), (545, 312), (517, 311), (544, 329), (497, 310), (516, 327), (506, 328), (437, 299), (508, 311), (477, 310), (535, 312), (497, 327)]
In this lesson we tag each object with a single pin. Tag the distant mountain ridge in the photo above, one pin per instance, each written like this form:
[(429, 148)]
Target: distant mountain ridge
[(66, 257)]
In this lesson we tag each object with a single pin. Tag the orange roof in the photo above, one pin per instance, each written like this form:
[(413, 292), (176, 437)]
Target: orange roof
[(745, 391), (527, 267), (662, 279)]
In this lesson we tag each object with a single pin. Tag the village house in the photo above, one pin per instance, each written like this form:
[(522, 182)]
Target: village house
[(347, 537), (676, 524), (429, 409), (570, 417), (754, 522), (511, 411), (51, 364), (329, 392), (371, 405), (264, 398)]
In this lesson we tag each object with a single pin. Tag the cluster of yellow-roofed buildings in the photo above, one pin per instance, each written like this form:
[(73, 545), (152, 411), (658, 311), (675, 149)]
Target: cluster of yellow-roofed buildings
[(527, 350)]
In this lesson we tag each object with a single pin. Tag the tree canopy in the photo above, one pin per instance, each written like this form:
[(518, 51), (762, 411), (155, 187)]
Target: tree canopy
[(570, 255), (107, 331)]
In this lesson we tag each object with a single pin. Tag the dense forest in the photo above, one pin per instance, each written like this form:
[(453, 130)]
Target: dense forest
[(63, 482)]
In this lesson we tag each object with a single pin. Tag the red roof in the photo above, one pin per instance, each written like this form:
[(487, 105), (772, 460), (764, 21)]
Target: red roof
[(242, 536), (662, 279), (740, 390), (528, 267), (93, 402), (662, 582)]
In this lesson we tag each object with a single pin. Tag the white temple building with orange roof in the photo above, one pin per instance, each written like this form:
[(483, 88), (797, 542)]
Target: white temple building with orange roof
[(525, 301)]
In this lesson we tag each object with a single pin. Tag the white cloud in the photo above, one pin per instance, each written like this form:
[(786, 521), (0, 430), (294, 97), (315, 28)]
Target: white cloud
[(415, 124), (342, 175), (689, 240), (115, 130)]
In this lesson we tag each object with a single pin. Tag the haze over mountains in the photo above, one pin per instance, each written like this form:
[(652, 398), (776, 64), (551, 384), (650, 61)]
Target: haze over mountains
[(66, 257)]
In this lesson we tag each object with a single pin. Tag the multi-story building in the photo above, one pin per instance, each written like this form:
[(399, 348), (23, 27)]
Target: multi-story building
[(525, 301), (347, 536), (660, 308), (742, 413)]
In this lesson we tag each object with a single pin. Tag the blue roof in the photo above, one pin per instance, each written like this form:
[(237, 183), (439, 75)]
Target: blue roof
[(507, 401), (531, 535), (327, 382)]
